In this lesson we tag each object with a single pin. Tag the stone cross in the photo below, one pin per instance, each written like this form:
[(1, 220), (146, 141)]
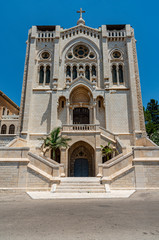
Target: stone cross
[(81, 11)]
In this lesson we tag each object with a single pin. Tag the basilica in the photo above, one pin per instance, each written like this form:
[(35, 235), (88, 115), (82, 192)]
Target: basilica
[(86, 81)]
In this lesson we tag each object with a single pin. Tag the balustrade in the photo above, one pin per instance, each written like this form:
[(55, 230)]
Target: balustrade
[(114, 34), (45, 34), (80, 127)]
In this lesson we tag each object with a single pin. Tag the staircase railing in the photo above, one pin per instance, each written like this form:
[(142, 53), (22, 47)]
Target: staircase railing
[(56, 170)]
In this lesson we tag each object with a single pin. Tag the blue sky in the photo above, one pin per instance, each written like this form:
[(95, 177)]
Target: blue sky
[(18, 16)]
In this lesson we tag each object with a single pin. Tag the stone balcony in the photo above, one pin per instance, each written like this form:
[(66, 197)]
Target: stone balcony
[(80, 127)]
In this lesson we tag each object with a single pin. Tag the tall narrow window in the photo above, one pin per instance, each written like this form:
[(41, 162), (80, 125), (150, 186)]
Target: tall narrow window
[(121, 79), (62, 104), (74, 72), (3, 111), (3, 129), (7, 112), (47, 74), (68, 71), (93, 71), (99, 103), (114, 74), (41, 75), (87, 73), (11, 129)]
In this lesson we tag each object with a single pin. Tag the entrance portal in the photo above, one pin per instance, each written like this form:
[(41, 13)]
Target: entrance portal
[(81, 160), (81, 116), (81, 167)]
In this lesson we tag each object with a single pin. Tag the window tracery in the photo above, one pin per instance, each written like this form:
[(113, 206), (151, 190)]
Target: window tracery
[(81, 60), (117, 74), (117, 67), (44, 68), (44, 75)]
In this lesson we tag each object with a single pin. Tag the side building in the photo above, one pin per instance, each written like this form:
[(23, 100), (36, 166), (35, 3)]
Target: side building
[(9, 118)]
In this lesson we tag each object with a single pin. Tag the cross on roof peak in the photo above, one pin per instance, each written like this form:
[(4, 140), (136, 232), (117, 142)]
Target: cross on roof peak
[(81, 11)]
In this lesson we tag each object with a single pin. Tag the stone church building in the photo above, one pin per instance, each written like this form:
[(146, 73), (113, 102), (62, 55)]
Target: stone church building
[(86, 81)]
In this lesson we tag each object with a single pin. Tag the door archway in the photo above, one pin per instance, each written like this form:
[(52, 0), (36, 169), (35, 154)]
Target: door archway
[(81, 160)]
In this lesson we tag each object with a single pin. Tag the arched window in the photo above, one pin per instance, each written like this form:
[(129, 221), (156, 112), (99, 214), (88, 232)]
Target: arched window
[(87, 73), (114, 74), (62, 104), (121, 79), (3, 111), (99, 103), (41, 75), (7, 112), (3, 129), (47, 74), (93, 71), (68, 71), (11, 129), (74, 72)]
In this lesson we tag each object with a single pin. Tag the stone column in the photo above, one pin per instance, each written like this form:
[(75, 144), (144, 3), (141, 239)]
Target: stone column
[(44, 76), (94, 111), (68, 112)]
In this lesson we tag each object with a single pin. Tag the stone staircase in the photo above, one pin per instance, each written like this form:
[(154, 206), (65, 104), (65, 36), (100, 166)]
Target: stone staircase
[(80, 185)]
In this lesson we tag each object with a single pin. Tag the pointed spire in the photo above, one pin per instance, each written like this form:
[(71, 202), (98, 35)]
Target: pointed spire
[(80, 20)]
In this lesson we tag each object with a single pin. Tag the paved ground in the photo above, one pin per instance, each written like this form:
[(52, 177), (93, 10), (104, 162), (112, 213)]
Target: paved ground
[(136, 218)]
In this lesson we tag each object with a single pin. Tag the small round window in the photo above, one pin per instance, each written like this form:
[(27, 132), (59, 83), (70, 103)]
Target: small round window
[(45, 55), (91, 55), (81, 51), (70, 55), (116, 54)]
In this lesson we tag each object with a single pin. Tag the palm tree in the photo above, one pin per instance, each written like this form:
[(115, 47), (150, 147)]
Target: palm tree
[(54, 141), (106, 151)]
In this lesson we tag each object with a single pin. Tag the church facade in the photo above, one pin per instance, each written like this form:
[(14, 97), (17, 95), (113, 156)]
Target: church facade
[(86, 81)]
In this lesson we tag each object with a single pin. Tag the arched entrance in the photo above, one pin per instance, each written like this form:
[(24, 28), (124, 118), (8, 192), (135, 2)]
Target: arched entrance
[(81, 160), (81, 102)]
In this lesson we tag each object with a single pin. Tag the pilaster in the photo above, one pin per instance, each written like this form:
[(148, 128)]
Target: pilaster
[(56, 54), (132, 82), (105, 53), (29, 82)]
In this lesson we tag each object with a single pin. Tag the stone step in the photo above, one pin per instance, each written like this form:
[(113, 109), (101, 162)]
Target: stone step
[(80, 184), (80, 179), (80, 190), (80, 187)]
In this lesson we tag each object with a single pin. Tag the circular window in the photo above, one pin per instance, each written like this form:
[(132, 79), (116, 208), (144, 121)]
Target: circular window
[(45, 55), (70, 55), (116, 54), (81, 51), (91, 55)]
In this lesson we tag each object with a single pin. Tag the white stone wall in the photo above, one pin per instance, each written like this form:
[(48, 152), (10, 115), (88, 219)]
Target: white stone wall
[(120, 112)]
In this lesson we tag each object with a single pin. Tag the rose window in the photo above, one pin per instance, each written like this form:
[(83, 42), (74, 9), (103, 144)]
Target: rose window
[(81, 51)]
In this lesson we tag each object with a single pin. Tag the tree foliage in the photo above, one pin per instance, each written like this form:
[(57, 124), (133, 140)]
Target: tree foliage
[(106, 151), (151, 114), (54, 141)]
